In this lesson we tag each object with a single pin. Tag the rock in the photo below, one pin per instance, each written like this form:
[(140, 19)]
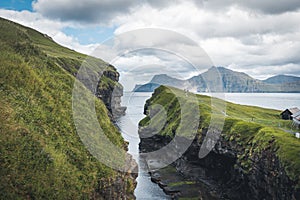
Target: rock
[(221, 171), (111, 92)]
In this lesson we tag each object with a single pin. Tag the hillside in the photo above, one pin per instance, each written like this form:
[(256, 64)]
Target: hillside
[(231, 81), (41, 155), (280, 79), (252, 159), (146, 87)]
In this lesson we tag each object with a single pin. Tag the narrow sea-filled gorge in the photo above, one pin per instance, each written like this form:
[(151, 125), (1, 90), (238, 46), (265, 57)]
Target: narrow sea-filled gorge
[(128, 125), (149, 101)]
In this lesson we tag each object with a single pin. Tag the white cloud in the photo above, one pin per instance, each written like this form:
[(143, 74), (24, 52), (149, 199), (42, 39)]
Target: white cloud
[(104, 11), (53, 28), (73, 43), (237, 36), (146, 52), (264, 72), (261, 38), (33, 20)]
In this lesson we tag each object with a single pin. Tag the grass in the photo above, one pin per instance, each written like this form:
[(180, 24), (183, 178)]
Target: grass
[(181, 183), (252, 128), (41, 155)]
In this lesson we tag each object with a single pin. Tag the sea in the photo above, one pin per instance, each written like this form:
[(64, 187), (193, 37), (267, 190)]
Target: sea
[(135, 101)]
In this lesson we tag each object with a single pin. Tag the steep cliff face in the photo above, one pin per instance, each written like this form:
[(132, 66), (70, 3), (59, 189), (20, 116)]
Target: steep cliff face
[(267, 178), (250, 160), (41, 154), (222, 174), (111, 91)]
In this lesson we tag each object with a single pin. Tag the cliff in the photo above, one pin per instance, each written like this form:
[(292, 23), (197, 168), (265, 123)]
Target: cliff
[(110, 91), (41, 155), (252, 159)]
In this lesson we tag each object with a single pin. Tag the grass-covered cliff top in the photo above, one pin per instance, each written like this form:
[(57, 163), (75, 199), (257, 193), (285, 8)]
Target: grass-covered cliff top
[(253, 128), (41, 155)]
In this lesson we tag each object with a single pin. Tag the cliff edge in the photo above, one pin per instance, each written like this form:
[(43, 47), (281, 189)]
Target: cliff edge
[(252, 159)]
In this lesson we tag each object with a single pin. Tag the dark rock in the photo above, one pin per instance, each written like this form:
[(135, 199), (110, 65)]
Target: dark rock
[(221, 171), (111, 94)]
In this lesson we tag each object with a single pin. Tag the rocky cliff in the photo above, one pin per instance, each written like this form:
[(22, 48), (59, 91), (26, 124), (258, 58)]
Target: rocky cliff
[(251, 160), (41, 154), (111, 91)]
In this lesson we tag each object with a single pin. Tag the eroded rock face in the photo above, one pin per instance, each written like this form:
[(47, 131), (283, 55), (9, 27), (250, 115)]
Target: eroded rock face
[(224, 174), (265, 178), (110, 92), (119, 188)]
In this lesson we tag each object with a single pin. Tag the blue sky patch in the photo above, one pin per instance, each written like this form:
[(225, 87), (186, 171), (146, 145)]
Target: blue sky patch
[(90, 35), (16, 5)]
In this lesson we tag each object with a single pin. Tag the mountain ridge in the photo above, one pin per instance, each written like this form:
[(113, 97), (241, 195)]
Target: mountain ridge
[(231, 81), (282, 79)]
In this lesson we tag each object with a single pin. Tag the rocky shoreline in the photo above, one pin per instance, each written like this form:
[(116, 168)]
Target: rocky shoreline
[(220, 175), (248, 161), (173, 181)]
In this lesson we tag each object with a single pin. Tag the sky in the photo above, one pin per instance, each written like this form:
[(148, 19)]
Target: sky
[(181, 38)]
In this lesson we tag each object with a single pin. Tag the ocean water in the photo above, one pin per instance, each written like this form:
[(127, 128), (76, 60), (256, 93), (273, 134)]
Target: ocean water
[(278, 101), (128, 125)]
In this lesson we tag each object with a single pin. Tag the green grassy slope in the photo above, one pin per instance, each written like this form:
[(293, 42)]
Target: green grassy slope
[(252, 128), (41, 156)]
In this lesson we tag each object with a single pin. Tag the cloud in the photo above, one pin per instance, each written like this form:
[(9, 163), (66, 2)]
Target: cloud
[(90, 11), (263, 72), (269, 6), (193, 21), (251, 36), (136, 69), (33, 20), (265, 6), (145, 52), (105, 11), (53, 28), (236, 37)]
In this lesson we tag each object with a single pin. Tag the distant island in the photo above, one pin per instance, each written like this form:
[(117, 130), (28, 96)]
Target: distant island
[(232, 81)]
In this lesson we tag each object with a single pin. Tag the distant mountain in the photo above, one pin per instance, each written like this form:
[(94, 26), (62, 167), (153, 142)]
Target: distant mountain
[(231, 81), (279, 79), (228, 81), (149, 87), (160, 79), (163, 79)]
